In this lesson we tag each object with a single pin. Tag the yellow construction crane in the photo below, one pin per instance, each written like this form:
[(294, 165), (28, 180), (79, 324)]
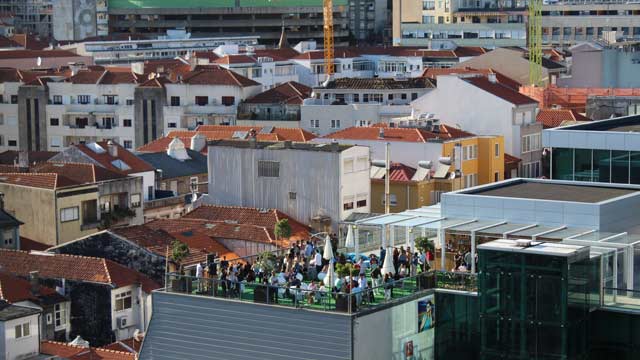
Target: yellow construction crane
[(535, 42), (327, 6)]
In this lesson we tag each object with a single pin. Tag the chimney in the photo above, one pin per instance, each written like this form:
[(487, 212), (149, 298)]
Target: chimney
[(198, 142), (112, 149), (335, 146), (287, 144), (381, 133), (253, 138), (34, 279), (492, 78), (23, 160)]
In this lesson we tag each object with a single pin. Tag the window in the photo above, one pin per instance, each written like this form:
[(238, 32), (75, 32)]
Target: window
[(12, 143), (84, 99), (55, 141), (135, 200), (49, 319), (14, 99), (202, 100), (69, 214), (414, 96), (530, 143), (128, 144), (361, 203), (348, 165), (228, 100), (315, 124), (356, 97), (348, 202), (393, 200), (470, 152), (129, 102), (335, 124), (126, 122), (54, 122), (22, 330), (363, 123), (1, 140), (496, 177), (123, 301), (470, 180), (111, 99), (496, 148), (531, 170), (193, 183), (268, 168), (175, 101), (57, 99), (292, 195), (60, 315), (403, 96)]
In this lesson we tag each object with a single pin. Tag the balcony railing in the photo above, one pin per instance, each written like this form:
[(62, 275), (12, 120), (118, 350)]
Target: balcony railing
[(322, 299)]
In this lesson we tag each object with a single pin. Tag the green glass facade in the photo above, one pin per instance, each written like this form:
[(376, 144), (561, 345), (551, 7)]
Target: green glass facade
[(532, 306), (608, 166), (457, 333)]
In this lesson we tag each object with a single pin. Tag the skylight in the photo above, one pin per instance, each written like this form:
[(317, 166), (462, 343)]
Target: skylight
[(121, 165), (96, 148)]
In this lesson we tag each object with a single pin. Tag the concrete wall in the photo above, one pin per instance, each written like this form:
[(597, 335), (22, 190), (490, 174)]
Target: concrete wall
[(32, 126), (234, 330), (586, 68), (24, 347), (39, 221), (72, 230), (155, 100)]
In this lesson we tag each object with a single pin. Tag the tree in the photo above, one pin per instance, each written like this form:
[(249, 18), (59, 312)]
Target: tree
[(266, 262), (282, 230), (424, 244), (179, 251)]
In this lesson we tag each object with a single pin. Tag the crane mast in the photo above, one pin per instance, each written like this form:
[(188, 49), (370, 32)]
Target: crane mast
[(328, 36), (535, 42)]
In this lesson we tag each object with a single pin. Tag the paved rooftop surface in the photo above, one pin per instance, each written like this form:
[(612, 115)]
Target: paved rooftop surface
[(551, 191)]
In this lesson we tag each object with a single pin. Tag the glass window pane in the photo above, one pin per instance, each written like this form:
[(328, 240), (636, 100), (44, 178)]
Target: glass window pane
[(562, 164), (635, 167), (582, 165), (601, 165), (620, 167)]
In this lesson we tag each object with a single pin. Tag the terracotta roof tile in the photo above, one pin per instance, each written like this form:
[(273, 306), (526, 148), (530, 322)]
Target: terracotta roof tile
[(433, 73), (30, 42), (73, 352), (502, 91), (73, 267), (290, 92), (14, 289), (380, 83), (43, 181), (216, 75), (78, 173), (551, 118), (126, 345), (32, 54), (105, 159), (292, 134), (400, 172), (397, 134), (510, 159)]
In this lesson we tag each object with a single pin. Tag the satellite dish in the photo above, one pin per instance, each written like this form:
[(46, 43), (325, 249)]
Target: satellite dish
[(39, 61), (452, 176)]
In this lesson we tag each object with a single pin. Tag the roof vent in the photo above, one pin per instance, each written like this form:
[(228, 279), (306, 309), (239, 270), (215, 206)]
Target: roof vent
[(230, 221), (381, 133), (209, 226), (523, 243)]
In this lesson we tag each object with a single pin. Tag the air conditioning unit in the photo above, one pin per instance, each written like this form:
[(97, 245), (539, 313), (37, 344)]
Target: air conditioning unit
[(123, 322)]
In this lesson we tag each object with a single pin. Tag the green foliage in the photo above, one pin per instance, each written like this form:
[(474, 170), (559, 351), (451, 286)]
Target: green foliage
[(179, 251), (266, 261), (346, 269), (282, 229), (424, 244)]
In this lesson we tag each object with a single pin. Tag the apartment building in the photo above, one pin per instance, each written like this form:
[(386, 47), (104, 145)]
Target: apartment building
[(56, 109), (496, 108), (348, 102), (439, 158), (226, 18), (30, 16), (279, 106), (73, 200), (316, 184)]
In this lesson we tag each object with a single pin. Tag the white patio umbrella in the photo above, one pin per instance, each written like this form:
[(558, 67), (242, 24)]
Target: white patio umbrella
[(328, 250), (349, 243), (387, 267), (330, 278)]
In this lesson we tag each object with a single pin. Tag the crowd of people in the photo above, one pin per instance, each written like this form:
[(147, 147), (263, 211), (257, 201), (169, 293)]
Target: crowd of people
[(298, 274)]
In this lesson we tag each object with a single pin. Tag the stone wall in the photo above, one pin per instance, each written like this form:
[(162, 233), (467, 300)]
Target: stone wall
[(110, 246)]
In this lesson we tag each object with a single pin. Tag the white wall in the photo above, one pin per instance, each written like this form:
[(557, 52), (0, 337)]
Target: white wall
[(408, 153), (355, 183), (24, 346), (133, 315), (148, 179), (9, 113)]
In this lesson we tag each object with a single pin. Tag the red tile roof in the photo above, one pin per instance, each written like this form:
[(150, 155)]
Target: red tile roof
[(77, 174), (136, 164), (14, 289), (236, 59), (32, 54), (510, 159), (398, 134), (103, 77), (551, 118), (502, 91), (126, 345), (73, 352), (292, 134), (5, 42), (30, 42), (433, 73), (266, 218), (290, 92), (400, 172), (319, 54), (43, 181), (73, 267), (215, 229), (216, 75)]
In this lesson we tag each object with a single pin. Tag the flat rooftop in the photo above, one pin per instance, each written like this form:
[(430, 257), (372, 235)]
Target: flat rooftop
[(622, 124), (204, 4), (280, 145), (553, 191), (574, 252)]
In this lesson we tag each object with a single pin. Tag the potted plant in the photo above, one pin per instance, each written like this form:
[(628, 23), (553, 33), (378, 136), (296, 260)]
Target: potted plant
[(179, 251)]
